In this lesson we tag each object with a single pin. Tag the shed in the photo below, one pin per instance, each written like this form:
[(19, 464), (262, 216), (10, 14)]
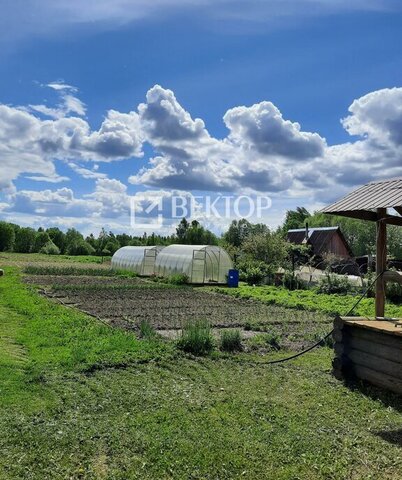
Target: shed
[(322, 240), (371, 348), (140, 260), (203, 264)]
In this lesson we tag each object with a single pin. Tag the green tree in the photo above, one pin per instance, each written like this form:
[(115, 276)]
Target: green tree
[(41, 239), (24, 240), (80, 247), (7, 236), (296, 218), (58, 238), (181, 230)]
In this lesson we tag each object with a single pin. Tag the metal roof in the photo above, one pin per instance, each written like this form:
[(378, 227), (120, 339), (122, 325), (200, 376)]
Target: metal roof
[(382, 194), (318, 237), (311, 229)]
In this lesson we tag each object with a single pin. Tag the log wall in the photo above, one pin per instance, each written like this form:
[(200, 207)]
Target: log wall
[(369, 350)]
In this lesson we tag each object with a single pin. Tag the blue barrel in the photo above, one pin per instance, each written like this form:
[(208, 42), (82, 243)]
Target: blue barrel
[(233, 278)]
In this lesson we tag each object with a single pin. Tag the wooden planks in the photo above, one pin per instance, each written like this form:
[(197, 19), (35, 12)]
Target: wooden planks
[(381, 262), (370, 351)]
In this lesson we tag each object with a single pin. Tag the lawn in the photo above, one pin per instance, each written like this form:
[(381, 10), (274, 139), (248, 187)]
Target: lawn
[(82, 400), (309, 300)]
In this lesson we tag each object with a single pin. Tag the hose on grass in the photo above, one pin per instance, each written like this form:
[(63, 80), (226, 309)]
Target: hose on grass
[(299, 354)]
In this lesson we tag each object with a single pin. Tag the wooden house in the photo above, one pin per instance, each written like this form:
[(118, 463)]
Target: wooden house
[(323, 240)]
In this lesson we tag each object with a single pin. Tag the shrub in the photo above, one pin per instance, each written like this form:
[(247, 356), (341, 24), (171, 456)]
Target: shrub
[(253, 272), (147, 330), (178, 279), (230, 341), (80, 247), (334, 284), (196, 337), (50, 249)]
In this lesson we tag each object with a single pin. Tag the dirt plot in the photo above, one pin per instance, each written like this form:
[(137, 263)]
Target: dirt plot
[(125, 302)]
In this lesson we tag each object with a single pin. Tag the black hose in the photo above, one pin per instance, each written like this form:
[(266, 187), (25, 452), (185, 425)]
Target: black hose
[(369, 286)]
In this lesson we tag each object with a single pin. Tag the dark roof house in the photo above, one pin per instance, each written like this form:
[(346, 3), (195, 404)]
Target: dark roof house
[(322, 240)]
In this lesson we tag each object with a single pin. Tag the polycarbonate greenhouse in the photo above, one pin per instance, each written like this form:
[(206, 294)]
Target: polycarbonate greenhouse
[(136, 259), (201, 263)]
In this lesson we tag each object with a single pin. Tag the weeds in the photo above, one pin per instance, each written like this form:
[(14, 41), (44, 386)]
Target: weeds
[(265, 340), (178, 279), (147, 330), (230, 340), (196, 337), (70, 270)]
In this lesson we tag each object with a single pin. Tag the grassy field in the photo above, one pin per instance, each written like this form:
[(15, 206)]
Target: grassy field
[(309, 300), (11, 258), (82, 400)]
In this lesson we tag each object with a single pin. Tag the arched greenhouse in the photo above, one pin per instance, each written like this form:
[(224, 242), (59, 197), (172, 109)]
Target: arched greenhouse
[(201, 263), (136, 259)]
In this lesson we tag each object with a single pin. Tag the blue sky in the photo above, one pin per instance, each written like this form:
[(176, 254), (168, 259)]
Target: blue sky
[(270, 82)]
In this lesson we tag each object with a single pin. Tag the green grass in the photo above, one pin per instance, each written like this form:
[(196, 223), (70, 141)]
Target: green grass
[(147, 330), (309, 300), (11, 257), (67, 270), (196, 337), (81, 400), (230, 340)]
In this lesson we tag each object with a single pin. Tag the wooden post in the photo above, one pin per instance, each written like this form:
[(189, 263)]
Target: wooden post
[(380, 262)]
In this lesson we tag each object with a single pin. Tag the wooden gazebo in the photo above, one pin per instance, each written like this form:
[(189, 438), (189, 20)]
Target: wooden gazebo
[(371, 348)]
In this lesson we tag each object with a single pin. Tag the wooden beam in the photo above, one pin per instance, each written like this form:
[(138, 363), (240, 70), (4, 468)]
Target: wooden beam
[(370, 216), (380, 262), (393, 220)]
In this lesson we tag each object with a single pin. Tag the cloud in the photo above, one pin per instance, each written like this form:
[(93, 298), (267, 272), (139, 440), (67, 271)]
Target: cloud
[(22, 19), (262, 152), (254, 155), (165, 120), (50, 203), (30, 144), (261, 127), (86, 172), (69, 104), (378, 116)]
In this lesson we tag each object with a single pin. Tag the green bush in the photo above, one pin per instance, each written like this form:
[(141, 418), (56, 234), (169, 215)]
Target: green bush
[(230, 340), (196, 337), (253, 272), (393, 292), (80, 247), (178, 279), (50, 249), (334, 284)]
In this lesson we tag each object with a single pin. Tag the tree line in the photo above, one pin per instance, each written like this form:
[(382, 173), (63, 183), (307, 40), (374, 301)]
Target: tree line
[(254, 247), (53, 241)]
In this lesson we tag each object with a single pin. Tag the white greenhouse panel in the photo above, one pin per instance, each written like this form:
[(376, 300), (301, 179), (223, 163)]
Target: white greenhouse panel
[(140, 260), (201, 263)]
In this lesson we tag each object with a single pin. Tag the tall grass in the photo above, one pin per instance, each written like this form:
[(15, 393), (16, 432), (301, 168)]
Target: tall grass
[(230, 340), (70, 270), (147, 330), (196, 337)]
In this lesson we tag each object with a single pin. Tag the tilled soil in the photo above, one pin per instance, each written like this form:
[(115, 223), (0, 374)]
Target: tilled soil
[(125, 302)]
